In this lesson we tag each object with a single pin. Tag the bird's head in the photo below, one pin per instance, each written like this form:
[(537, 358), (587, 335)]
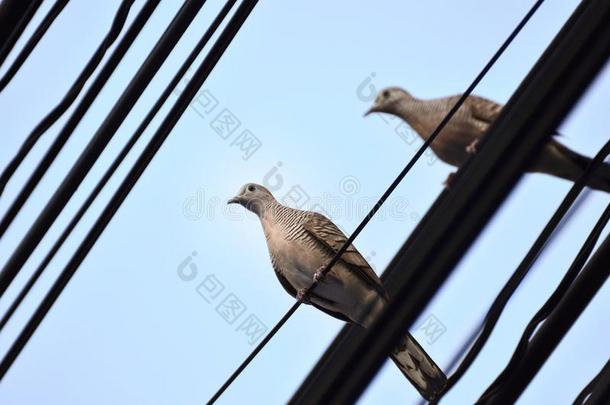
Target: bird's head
[(254, 197), (388, 100)]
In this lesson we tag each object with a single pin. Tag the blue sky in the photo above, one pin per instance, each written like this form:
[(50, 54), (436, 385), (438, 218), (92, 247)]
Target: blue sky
[(138, 324)]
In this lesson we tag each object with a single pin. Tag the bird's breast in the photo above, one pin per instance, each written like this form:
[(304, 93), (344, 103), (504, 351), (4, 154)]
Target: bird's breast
[(298, 259), (296, 264)]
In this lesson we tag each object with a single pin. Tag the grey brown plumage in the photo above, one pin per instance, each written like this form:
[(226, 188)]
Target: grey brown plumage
[(300, 243), (458, 139)]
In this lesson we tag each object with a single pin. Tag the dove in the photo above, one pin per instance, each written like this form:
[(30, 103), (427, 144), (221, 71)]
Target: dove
[(459, 138), (300, 244)]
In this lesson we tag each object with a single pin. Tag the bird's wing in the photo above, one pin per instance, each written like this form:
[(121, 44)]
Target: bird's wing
[(293, 292), (332, 313), (486, 110), (331, 237), (483, 109)]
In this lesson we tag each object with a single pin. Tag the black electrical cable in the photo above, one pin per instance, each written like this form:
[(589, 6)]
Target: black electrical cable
[(419, 269), (596, 392), (549, 335), (584, 394), (79, 111), (588, 389), (32, 42), (493, 315), (184, 100), (474, 333), (381, 200), (117, 162), (14, 17), (551, 303), (102, 137), (64, 104)]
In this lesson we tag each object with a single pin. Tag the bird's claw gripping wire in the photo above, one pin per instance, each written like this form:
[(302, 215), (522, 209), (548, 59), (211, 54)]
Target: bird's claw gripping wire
[(319, 275), (472, 148), (303, 295)]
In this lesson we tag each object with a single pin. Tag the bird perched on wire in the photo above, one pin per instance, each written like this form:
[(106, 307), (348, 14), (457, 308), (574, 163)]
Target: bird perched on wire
[(300, 244), (459, 138)]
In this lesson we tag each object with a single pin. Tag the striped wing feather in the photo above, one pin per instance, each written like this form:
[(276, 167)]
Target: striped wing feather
[(483, 109), (331, 237)]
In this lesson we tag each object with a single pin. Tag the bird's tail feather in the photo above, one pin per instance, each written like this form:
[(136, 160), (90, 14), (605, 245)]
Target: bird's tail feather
[(419, 368), (599, 180)]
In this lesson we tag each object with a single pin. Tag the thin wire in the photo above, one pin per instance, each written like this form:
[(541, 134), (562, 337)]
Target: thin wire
[(117, 161), (493, 315), (382, 199), (98, 142), (10, 38), (474, 333), (551, 303), (79, 111), (60, 109), (161, 134), (32, 42), (557, 325), (587, 391), (590, 387)]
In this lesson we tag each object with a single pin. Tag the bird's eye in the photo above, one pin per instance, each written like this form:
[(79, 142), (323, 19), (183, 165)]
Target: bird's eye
[(385, 94), (251, 187)]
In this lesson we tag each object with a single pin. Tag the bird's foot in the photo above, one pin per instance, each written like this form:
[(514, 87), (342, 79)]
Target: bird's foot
[(303, 296), (449, 181), (319, 274), (472, 148)]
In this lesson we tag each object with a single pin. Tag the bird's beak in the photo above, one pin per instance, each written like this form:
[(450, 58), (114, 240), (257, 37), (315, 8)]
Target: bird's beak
[(234, 200), (371, 110)]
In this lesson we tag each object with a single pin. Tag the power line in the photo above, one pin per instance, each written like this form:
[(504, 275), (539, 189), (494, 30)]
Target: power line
[(139, 22), (59, 110), (381, 200), (476, 331), (79, 111), (32, 42), (117, 162), (431, 253), (497, 307), (14, 17), (551, 303), (600, 394), (555, 327), (181, 104), (102, 137), (594, 386), (586, 391)]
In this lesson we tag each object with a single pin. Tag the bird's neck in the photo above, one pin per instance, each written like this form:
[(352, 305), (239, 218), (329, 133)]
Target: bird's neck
[(411, 111), (269, 209), (278, 219), (270, 213)]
